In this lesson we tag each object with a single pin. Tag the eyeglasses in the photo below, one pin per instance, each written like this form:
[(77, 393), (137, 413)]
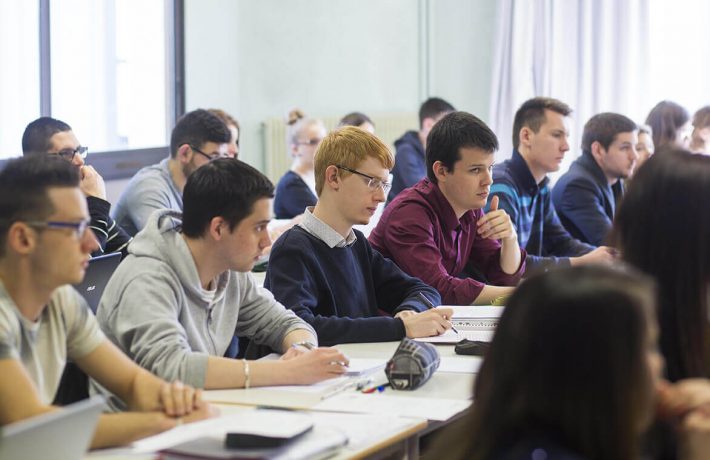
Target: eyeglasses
[(373, 183), (212, 157), (68, 154), (311, 142), (78, 227)]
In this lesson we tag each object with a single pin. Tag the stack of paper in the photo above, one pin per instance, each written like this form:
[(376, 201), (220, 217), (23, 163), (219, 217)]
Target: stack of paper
[(473, 322)]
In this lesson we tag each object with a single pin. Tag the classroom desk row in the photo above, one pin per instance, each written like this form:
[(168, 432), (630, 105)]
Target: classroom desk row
[(377, 425)]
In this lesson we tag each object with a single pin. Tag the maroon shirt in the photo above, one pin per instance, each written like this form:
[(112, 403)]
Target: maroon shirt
[(419, 231)]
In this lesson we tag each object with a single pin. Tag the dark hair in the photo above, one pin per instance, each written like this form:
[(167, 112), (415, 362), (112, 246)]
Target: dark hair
[(665, 119), (432, 108), (568, 362), (701, 119), (23, 189), (196, 128), (225, 187), (455, 131), (354, 119), (532, 115), (662, 229), (603, 128), (35, 139)]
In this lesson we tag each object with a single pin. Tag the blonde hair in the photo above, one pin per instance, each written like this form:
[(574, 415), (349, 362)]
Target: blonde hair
[(226, 118), (349, 146), (701, 120), (296, 123)]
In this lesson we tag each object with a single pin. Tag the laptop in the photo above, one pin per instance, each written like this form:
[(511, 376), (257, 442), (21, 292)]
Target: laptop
[(96, 277), (63, 434)]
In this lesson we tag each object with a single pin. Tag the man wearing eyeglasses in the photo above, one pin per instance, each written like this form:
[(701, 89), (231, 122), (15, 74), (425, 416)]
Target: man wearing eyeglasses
[(198, 138), (44, 248), (54, 137), (437, 231), (328, 273)]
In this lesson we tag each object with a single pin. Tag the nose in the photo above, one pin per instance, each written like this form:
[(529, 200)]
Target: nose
[(77, 160), (265, 240), (89, 241), (487, 177), (380, 195)]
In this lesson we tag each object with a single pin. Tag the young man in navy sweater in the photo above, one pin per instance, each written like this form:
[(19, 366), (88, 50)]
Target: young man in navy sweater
[(329, 274)]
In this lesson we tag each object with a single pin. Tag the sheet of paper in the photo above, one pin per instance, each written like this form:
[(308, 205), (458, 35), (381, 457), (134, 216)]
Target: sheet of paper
[(475, 311), (460, 365), (451, 337), (363, 429), (365, 366), (403, 406)]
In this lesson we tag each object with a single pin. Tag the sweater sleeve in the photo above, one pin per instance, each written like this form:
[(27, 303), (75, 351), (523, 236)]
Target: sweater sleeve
[(110, 236), (297, 279), (557, 240), (145, 324), (262, 318)]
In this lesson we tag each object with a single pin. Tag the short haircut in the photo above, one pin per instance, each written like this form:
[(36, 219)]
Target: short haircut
[(24, 184), (455, 131), (603, 128), (354, 119), (666, 118), (349, 146), (532, 115), (226, 188), (433, 108), (37, 135), (197, 128), (226, 118)]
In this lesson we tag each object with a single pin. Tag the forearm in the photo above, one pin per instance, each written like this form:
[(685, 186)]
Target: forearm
[(223, 373), (126, 427), (490, 293), (510, 257), (298, 335)]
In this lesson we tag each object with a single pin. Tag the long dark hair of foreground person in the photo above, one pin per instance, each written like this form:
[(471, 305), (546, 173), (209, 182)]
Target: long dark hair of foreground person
[(663, 228), (567, 365)]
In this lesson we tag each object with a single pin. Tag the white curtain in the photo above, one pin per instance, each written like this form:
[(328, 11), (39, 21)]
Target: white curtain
[(591, 54)]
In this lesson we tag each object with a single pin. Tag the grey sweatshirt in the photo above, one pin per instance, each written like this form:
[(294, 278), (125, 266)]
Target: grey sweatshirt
[(155, 310)]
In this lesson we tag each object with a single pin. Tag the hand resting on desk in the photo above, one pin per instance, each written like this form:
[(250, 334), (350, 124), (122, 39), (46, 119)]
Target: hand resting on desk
[(311, 366)]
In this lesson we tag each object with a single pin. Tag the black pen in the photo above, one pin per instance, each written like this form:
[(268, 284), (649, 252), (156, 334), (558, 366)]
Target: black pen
[(431, 306)]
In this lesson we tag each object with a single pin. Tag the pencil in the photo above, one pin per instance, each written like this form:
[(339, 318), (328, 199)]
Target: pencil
[(431, 306)]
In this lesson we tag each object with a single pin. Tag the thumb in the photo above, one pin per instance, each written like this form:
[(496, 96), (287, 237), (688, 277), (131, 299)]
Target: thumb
[(494, 203)]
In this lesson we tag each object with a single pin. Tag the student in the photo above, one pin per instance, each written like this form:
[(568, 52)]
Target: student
[(297, 188), (670, 123), (48, 136), (587, 195), (183, 293), (644, 146), (233, 126), (556, 384), (662, 229), (437, 231), (410, 166), (44, 247), (358, 119), (540, 131), (329, 274), (198, 138), (700, 138)]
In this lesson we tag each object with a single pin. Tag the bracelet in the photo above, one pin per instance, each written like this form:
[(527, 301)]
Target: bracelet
[(305, 344), (247, 377)]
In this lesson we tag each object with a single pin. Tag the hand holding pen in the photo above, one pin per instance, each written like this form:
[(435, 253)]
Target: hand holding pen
[(431, 306)]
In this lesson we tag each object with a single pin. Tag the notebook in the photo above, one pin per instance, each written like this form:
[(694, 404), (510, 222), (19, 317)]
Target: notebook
[(97, 275), (64, 434)]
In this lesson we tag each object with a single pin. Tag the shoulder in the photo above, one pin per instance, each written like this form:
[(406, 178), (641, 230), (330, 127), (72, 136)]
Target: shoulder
[(295, 239)]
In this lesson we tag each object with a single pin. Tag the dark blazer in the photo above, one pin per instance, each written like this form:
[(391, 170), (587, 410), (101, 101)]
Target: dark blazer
[(585, 202)]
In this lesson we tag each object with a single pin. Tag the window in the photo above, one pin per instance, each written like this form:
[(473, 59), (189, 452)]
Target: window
[(19, 78), (111, 74)]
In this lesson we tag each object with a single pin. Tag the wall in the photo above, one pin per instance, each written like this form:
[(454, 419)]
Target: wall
[(258, 59)]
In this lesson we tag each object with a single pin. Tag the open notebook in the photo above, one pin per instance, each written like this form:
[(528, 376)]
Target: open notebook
[(473, 322)]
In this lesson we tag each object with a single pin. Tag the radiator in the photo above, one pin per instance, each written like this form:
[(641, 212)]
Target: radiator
[(388, 127)]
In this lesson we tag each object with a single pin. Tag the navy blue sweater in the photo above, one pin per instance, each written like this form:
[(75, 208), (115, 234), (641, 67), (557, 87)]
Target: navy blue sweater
[(338, 291)]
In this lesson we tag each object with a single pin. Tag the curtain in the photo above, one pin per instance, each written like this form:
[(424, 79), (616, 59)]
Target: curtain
[(590, 54)]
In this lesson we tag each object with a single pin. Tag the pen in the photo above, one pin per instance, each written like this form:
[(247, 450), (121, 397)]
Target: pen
[(430, 306)]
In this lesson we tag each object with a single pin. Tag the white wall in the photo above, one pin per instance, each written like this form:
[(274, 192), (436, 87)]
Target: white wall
[(258, 59)]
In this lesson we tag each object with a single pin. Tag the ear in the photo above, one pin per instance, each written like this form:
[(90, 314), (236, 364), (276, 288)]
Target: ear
[(332, 179), (21, 239), (427, 124), (218, 228), (440, 171), (184, 154), (597, 150), (525, 136)]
